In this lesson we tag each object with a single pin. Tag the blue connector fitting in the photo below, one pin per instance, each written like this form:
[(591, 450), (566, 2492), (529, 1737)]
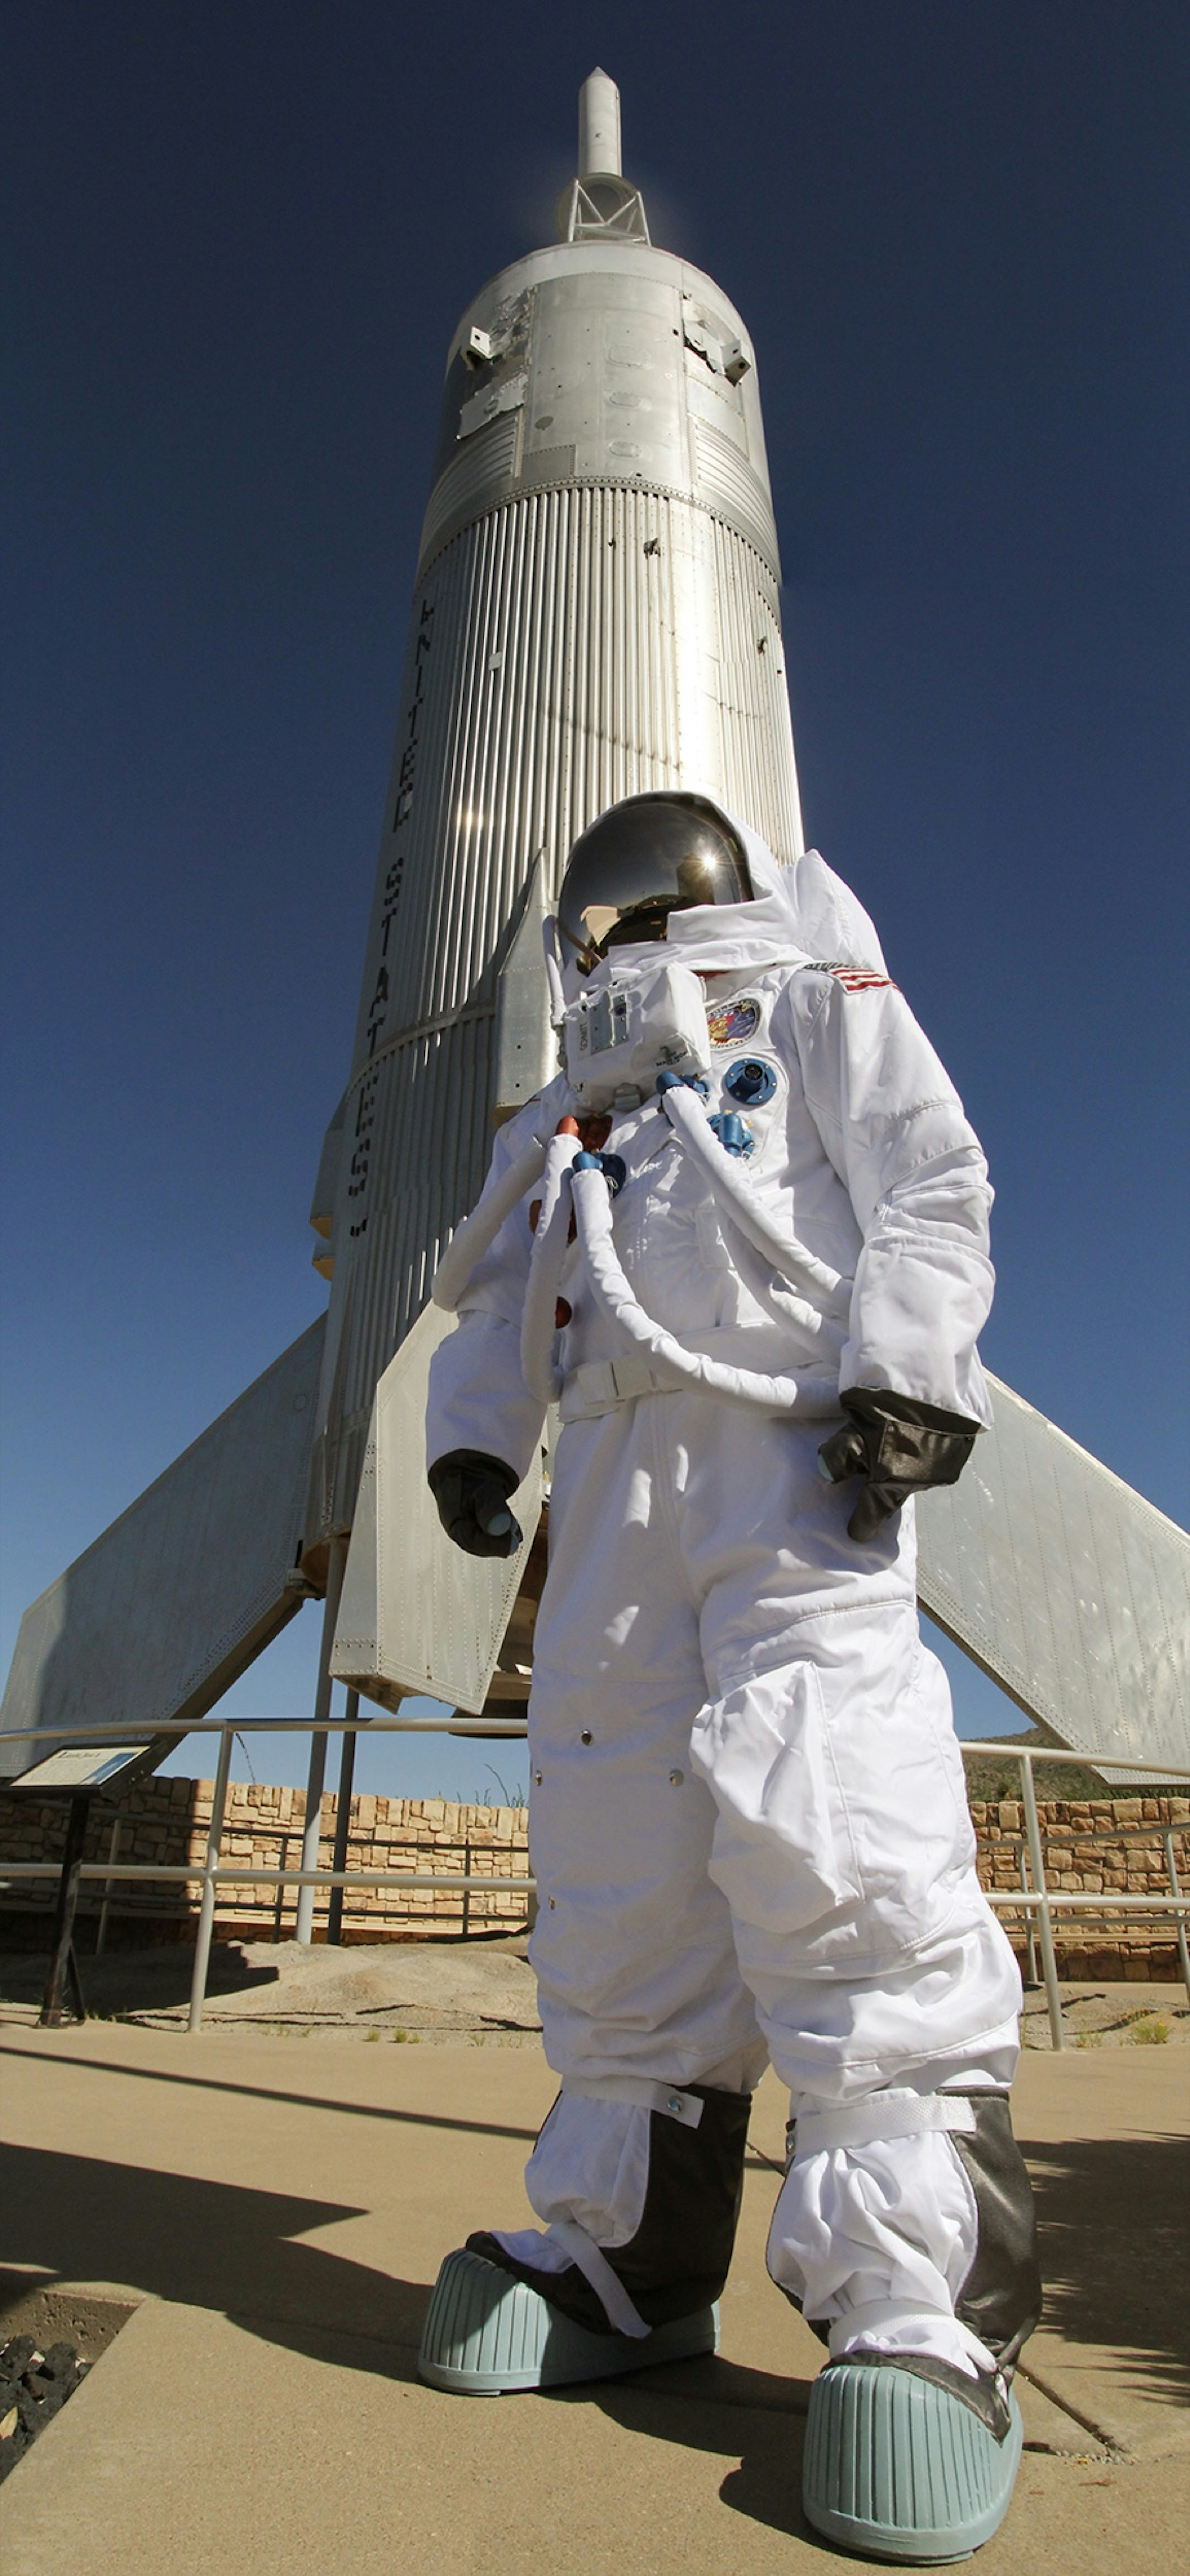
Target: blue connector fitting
[(733, 1135), (750, 1081), (612, 1166)]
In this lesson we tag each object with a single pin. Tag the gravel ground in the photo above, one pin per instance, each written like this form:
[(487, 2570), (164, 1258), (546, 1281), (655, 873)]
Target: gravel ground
[(1113, 2016), (33, 2386)]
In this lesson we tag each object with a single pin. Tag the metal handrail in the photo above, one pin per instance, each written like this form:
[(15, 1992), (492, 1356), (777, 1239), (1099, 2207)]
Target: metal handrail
[(233, 1874), (1040, 1901)]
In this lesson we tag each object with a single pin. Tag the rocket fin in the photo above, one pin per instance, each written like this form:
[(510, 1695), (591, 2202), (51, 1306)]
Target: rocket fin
[(149, 1627), (1066, 1586), (417, 1615), (526, 1046)]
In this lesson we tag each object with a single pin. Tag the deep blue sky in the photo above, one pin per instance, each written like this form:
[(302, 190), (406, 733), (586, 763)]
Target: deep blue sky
[(239, 236)]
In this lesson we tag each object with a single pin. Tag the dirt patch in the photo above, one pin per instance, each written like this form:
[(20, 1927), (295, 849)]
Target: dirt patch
[(481, 1991), (1112, 2016)]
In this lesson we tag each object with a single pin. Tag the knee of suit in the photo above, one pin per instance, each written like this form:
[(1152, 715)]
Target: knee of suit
[(841, 1812)]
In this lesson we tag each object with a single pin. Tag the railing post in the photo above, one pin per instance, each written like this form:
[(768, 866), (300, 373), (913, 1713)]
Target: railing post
[(206, 1911), (303, 1929), (334, 1920), (1032, 1980), (1175, 1890), (1049, 1965), (113, 1854), (279, 1907), (63, 1963), (466, 1886)]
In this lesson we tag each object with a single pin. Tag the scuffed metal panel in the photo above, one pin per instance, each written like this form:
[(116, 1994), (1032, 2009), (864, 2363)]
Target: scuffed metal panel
[(417, 1615), (1070, 1589), (548, 465), (154, 1621)]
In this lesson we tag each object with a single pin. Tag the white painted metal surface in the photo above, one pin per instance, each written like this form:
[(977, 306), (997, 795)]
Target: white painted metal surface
[(1070, 1589), (416, 1614), (153, 1623)]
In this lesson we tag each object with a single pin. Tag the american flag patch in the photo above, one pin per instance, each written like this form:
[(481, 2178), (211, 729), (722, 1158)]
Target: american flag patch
[(854, 979)]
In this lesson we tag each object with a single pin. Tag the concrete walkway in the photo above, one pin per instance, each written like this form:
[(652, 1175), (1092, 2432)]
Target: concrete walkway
[(278, 2208)]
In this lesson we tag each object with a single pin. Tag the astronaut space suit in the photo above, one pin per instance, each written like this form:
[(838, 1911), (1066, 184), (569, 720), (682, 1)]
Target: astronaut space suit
[(748, 1820)]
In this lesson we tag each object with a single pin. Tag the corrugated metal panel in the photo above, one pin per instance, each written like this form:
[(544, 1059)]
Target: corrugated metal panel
[(563, 655), (597, 613), (474, 479), (1068, 1587), (416, 1613), (753, 697), (584, 643), (148, 1628), (727, 483)]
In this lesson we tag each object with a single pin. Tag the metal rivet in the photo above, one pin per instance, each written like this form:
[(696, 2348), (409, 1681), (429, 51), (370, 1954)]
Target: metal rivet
[(537, 1779), (675, 2103), (551, 1905), (585, 1737), (676, 1778)]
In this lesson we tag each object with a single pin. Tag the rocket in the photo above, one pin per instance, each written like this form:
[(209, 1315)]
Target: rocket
[(596, 612)]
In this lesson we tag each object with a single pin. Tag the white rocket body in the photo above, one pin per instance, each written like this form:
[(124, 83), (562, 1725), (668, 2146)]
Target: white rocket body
[(596, 612)]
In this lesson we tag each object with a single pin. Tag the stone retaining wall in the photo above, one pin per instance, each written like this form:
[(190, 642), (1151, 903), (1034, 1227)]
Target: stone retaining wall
[(167, 1821), (1103, 1847), (1094, 1846)]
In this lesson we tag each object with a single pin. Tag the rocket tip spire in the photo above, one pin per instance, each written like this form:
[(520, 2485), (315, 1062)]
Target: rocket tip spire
[(599, 127)]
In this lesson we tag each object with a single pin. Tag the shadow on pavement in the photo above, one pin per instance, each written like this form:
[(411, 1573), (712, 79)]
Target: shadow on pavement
[(1111, 2215), (210, 2245), (1114, 2254), (238, 2251), (753, 2418)]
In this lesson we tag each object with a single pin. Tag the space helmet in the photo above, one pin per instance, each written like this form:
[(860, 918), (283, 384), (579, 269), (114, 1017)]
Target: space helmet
[(645, 858)]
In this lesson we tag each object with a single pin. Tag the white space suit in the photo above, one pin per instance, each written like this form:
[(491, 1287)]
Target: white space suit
[(748, 1819)]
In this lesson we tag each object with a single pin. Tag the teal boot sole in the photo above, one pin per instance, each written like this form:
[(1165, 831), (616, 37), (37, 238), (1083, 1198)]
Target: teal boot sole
[(897, 2468), (487, 2334)]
